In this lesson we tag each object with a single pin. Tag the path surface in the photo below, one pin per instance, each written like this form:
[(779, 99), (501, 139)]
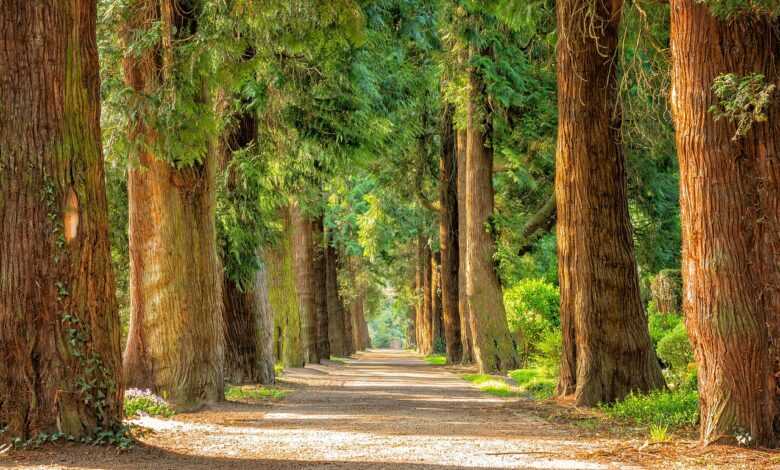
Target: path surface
[(382, 410)]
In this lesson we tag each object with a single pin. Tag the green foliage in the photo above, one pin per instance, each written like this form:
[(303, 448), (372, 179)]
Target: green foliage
[(539, 381), (661, 324), (675, 409), (729, 9), (139, 402), (743, 100), (492, 385), (436, 359), (659, 433), (389, 325), (532, 310), (254, 393), (675, 349)]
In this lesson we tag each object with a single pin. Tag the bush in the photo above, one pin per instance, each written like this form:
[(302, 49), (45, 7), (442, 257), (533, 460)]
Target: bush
[(674, 349), (144, 402), (661, 324), (538, 381), (675, 409), (532, 310)]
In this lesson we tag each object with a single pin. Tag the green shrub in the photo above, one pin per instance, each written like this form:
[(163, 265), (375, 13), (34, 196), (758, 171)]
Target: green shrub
[(661, 324), (532, 310), (674, 349), (677, 408), (436, 359), (550, 348), (538, 381), (144, 402)]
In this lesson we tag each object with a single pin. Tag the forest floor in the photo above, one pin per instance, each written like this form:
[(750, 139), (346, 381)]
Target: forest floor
[(386, 410)]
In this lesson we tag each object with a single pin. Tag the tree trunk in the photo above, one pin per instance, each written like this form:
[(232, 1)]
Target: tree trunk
[(448, 235), (467, 349), (283, 297), (58, 311), (426, 346), (249, 352), (730, 207), (419, 326), (494, 349), (175, 343), (321, 288), (607, 352), (303, 246), (437, 316), (336, 328)]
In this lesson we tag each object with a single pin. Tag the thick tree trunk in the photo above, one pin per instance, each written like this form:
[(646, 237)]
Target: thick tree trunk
[(283, 297), (730, 208), (493, 347), (321, 288), (467, 349), (336, 327), (176, 342), (303, 245), (249, 327), (448, 235), (426, 336), (607, 351), (58, 313)]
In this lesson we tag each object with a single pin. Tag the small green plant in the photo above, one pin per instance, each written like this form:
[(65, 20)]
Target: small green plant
[(492, 385), (144, 402), (538, 381), (436, 359), (532, 311), (659, 433), (742, 100), (675, 409), (254, 393), (278, 369)]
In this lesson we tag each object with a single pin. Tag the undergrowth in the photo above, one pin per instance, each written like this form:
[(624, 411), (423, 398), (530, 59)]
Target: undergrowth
[(253, 392), (144, 402), (436, 359), (673, 409)]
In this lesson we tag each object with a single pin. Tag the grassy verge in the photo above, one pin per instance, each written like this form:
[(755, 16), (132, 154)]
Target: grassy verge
[(253, 393), (660, 409), (492, 385), (436, 359), (338, 360)]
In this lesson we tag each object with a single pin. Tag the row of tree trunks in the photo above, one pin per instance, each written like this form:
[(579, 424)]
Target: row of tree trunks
[(56, 281), (176, 341), (730, 213), (466, 337), (607, 352), (448, 238), (303, 246), (283, 296), (492, 344)]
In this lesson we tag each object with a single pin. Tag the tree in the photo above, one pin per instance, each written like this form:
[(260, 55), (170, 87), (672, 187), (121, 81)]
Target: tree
[(463, 305), (607, 352), (321, 288), (337, 329), (448, 237), (492, 343), (58, 311), (304, 247), (730, 205), (176, 342)]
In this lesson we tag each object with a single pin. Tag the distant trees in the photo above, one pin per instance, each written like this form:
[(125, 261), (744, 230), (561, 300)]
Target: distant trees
[(59, 329), (730, 211)]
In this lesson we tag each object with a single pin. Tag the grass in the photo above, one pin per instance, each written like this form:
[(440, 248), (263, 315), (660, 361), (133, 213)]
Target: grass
[(537, 381), (673, 409), (492, 385), (278, 369), (338, 360), (253, 393), (436, 359), (659, 433)]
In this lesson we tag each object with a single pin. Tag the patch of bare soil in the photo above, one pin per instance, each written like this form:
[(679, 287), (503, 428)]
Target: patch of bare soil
[(386, 410)]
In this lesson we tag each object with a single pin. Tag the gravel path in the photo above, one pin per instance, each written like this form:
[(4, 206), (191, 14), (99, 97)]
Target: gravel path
[(381, 410)]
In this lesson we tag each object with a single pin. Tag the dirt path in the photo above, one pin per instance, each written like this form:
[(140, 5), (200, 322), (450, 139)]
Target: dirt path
[(382, 410)]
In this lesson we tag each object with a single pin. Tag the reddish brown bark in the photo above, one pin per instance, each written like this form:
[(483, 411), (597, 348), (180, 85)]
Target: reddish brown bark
[(493, 347), (58, 311), (321, 288), (336, 317), (607, 351), (437, 315), (730, 208), (425, 344), (448, 236), (463, 305), (175, 343)]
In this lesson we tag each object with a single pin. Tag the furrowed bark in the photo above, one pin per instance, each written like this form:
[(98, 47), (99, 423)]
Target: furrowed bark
[(283, 296), (321, 288), (303, 246), (437, 317), (426, 336), (336, 317), (58, 311), (467, 349), (175, 343), (493, 347), (607, 352), (448, 235), (730, 208)]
